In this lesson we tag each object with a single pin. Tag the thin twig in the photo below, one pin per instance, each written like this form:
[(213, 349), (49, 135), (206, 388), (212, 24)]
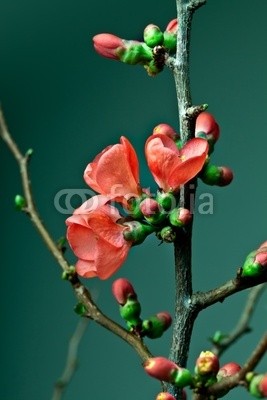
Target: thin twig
[(242, 327), (81, 292), (219, 294), (71, 361)]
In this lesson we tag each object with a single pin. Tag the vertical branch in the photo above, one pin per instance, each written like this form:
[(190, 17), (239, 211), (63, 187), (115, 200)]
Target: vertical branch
[(185, 313)]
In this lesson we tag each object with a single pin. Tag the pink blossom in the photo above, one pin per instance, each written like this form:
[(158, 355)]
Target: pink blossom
[(172, 167), (115, 172), (97, 239)]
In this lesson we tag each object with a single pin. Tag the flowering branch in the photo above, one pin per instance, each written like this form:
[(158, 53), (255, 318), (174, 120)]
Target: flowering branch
[(82, 293)]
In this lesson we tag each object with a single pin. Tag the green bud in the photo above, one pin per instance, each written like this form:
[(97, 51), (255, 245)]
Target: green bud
[(211, 174), (153, 35), (183, 377), (166, 200), (29, 153), (131, 311), (251, 269), (135, 53), (68, 274), (155, 326), (254, 386), (137, 231), (152, 68), (167, 234), (134, 207), (170, 41), (80, 309), (20, 202)]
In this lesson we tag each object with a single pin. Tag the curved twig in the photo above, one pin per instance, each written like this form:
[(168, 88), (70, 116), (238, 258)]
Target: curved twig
[(81, 292), (242, 327)]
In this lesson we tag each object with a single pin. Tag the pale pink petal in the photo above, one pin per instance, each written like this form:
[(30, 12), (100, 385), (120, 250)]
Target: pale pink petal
[(114, 174), (86, 268), (186, 171), (194, 148), (104, 228), (110, 259), (131, 157), (90, 171), (162, 157), (82, 241)]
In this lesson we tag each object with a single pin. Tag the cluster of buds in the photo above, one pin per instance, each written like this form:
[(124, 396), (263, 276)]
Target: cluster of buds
[(206, 127), (257, 385), (150, 53), (256, 262), (130, 310)]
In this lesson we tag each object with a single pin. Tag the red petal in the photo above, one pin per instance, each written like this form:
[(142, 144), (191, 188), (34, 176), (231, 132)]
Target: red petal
[(86, 268)]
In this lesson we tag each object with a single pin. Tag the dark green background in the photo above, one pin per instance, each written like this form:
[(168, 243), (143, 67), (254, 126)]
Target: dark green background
[(67, 103)]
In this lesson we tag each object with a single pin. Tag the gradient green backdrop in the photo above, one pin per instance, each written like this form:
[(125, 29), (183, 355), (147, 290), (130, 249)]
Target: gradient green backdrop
[(67, 103)]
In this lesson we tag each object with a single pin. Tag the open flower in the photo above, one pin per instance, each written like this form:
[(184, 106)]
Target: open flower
[(172, 167), (97, 239), (115, 172)]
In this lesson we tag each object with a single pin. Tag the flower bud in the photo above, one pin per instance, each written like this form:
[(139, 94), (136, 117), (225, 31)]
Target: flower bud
[(226, 176), (263, 386), (165, 396), (180, 217), (130, 312), (229, 369), (137, 232), (167, 234), (152, 68), (207, 364), (161, 368), (135, 52), (156, 325), (165, 129), (149, 207), (153, 35), (123, 290), (255, 386), (166, 200), (214, 175), (256, 262), (108, 45), (170, 36), (205, 123), (151, 211)]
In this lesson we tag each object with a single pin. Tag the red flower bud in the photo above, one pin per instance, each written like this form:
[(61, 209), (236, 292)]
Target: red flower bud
[(156, 325), (165, 129), (207, 364), (229, 369), (263, 386), (122, 290), (226, 176), (180, 217), (108, 45), (172, 26), (149, 207), (206, 123), (161, 368)]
